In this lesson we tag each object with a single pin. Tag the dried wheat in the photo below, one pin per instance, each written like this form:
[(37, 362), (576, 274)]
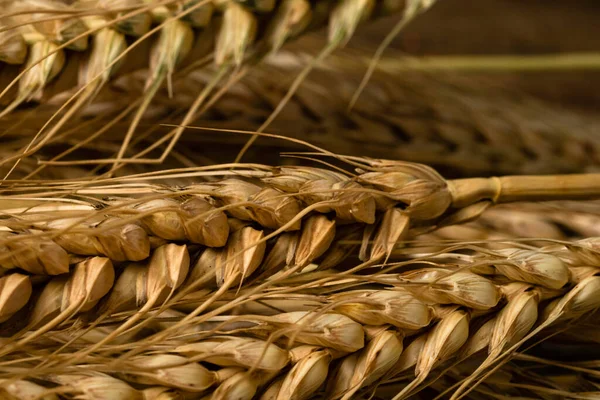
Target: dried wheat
[(234, 44), (243, 343), (461, 125), (418, 194)]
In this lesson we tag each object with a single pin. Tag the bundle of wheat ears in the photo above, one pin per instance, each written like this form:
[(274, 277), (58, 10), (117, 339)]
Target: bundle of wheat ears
[(139, 264)]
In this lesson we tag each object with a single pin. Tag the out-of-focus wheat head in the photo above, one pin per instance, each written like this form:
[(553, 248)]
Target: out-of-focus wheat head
[(127, 88), (163, 39), (461, 126)]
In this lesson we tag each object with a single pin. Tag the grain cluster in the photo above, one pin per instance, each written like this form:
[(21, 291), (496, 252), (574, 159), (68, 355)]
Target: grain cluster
[(276, 282)]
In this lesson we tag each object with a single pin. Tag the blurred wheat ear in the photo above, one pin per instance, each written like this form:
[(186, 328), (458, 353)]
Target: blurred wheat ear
[(460, 125), (230, 34)]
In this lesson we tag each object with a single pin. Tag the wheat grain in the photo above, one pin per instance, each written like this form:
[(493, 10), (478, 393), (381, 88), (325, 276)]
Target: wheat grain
[(479, 339), (89, 282), (13, 48), (443, 341), (44, 63), (212, 231), (230, 265), (464, 288), (305, 377), (580, 252), (15, 291), (241, 352), (241, 386), (512, 323), (396, 307), (293, 16), (25, 390), (410, 355), (341, 376), (374, 361), (97, 386), (61, 30), (135, 25), (37, 256), (129, 242)]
